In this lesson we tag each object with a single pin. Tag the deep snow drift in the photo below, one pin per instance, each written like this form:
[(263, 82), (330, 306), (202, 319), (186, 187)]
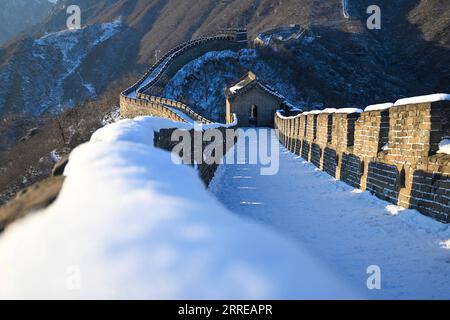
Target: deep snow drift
[(130, 224)]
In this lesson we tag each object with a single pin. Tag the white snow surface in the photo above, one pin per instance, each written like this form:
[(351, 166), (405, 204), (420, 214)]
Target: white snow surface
[(444, 146), (424, 99), (312, 112), (333, 110), (238, 86), (329, 110), (290, 117), (344, 228), (379, 107), (349, 110), (131, 224)]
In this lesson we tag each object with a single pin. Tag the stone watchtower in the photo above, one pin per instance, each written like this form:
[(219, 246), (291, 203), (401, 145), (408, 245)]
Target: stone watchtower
[(253, 102)]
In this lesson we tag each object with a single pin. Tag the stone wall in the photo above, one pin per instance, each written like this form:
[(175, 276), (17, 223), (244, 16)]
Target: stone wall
[(158, 107), (131, 108), (205, 168), (391, 153)]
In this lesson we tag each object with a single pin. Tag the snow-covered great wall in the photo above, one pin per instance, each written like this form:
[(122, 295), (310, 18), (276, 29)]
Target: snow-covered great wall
[(389, 150), (144, 97), (398, 152)]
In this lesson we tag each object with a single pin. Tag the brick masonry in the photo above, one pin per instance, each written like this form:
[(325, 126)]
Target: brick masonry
[(384, 180), (305, 150), (351, 170), (391, 153), (330, 161), (316, 155)]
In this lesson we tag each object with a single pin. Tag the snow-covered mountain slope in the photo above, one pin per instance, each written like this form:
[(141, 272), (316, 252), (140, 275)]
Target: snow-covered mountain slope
[(131, 224), (52, 72), (17, 15)]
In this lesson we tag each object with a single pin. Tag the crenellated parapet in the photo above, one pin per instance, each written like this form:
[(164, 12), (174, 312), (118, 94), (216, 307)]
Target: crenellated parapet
[(391, 151)]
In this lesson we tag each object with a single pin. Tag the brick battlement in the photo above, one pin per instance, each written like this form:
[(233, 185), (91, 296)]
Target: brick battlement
[(391, 153)]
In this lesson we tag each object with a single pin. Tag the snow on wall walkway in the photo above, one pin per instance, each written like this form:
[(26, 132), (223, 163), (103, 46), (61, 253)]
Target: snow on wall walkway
[(347, 230)]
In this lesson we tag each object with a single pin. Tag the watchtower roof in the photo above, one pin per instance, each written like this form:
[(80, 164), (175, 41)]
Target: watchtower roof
[(247, 82)]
